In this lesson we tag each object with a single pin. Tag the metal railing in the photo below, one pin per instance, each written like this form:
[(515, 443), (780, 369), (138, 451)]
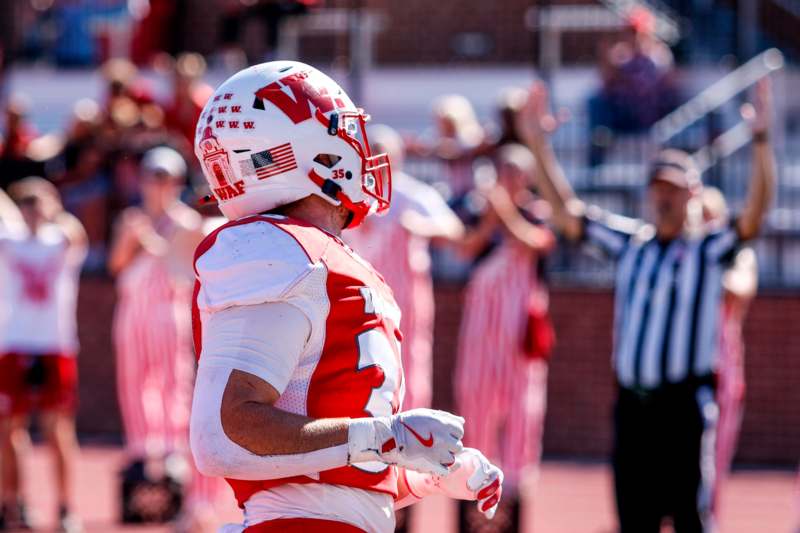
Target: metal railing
[(717, 95), (618, 185)]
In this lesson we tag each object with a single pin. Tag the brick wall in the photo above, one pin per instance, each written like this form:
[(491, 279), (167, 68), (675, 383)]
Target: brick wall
[(419, 32), (581, 390), (98, 412), (580, 387)]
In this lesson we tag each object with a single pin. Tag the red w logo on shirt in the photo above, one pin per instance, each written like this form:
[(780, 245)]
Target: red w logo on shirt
[(297, 107), (35, 280)]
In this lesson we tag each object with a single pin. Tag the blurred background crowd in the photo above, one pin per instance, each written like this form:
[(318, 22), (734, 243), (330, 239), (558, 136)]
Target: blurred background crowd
[(89, 88)]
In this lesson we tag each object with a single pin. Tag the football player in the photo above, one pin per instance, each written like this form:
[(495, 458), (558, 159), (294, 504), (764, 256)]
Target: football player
[(299, 387)]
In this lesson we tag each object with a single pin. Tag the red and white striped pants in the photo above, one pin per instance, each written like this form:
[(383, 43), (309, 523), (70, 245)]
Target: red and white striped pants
[(155, 373), (501, 393), (730, 393), (417, 347)]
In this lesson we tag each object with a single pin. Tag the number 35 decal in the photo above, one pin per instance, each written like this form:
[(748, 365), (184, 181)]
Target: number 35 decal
[(338, 174)]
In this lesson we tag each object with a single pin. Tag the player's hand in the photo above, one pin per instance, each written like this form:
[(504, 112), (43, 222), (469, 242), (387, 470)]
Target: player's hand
[(471, 478), (424, 440)]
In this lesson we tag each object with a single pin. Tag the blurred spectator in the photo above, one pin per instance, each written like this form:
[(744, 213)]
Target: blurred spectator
[(506, 336), (457, 138), (740, 284), (151, 256), (155, 30), (75, 45), (77, 23), (504, 132), (189, 96), (123, 83), (39, 343), (18, 134), (85, 186), (638, 85)]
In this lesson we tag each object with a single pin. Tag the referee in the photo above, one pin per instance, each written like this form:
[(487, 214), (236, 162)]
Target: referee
[(666, 311)]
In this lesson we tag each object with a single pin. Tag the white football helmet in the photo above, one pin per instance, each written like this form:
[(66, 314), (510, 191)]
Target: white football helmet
[(280, 131)]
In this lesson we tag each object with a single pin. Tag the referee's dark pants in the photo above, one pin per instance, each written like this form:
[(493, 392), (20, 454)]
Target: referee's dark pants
[(664, 457)]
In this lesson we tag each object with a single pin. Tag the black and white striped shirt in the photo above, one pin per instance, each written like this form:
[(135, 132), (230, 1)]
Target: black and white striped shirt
[(667, 300)]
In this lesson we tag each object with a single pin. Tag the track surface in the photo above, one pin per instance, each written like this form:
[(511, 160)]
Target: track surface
[(570, 498)]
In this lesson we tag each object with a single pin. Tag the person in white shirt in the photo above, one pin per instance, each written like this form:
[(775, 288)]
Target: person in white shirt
[(41, 264)]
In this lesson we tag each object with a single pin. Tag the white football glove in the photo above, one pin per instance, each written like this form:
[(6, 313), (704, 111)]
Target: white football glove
[(472, 477), (424, 440)]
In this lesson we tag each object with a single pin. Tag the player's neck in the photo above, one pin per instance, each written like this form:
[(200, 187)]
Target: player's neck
[(318, 212)]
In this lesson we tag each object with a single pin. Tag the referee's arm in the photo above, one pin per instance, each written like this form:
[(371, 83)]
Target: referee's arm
[(534, 124), (762, 182)]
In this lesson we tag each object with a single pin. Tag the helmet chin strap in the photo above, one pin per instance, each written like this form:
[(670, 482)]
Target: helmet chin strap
[(332, 190), (349, 219)]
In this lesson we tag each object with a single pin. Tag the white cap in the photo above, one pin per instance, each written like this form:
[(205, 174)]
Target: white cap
[(166, 160)]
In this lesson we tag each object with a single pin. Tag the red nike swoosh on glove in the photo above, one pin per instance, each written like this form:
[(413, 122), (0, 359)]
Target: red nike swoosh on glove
[(425, 442), (491, 502), (489, 489)]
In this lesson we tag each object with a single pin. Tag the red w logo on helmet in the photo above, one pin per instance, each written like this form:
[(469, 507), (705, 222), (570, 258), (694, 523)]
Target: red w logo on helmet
[(298, 109)]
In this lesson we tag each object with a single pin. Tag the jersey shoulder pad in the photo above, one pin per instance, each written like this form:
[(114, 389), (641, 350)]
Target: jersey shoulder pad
[(248, 262)]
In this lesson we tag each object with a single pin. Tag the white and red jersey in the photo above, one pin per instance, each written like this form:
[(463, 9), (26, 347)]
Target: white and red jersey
[(350, 366), (404, 260), (40, 292)]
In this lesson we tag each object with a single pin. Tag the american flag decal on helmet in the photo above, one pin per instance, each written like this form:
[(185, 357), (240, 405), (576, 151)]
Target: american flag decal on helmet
[(274, 161)]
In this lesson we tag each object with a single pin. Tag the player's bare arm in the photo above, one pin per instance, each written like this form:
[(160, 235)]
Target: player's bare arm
[(238, 432), (762, 184), (535, 123), (250, 419), (247, 404)]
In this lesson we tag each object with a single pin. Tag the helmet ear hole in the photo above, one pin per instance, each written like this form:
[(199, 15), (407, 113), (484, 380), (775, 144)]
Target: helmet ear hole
[(327, 160)]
